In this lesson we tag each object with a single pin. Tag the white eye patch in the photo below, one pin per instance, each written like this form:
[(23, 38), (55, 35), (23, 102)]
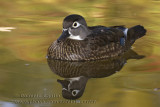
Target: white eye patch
[(75, 92), (76, 24)]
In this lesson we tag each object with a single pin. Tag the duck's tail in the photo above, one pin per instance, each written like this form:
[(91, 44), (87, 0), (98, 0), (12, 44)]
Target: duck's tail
[(131, 34), (134, 33)]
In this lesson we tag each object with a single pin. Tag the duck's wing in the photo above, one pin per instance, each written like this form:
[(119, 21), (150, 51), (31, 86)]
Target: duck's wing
[(102, 36), (104, 43)]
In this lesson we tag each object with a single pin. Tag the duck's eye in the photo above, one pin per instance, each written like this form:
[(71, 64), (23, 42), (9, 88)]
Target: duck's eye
[(75, 24), (75, 92)]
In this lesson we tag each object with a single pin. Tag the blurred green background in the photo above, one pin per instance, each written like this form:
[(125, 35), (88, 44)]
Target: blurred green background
[(37, 23)]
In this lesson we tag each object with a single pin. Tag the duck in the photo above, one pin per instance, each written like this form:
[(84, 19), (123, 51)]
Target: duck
[(80, 42)]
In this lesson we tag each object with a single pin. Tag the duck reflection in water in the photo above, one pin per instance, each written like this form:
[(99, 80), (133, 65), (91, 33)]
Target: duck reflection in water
[(76, 74)]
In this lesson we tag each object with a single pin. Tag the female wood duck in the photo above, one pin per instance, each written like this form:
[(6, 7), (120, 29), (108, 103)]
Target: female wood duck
[(79, 42)]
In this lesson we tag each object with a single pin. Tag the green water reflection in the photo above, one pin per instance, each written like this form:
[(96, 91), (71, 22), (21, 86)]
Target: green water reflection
[(24, 68)]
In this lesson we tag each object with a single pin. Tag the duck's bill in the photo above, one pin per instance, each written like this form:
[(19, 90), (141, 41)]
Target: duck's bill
[(63, 36)]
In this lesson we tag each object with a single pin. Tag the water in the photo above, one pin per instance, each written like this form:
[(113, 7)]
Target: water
[(26, 79)]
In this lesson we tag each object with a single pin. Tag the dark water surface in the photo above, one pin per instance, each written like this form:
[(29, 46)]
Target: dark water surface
[(26, 79)]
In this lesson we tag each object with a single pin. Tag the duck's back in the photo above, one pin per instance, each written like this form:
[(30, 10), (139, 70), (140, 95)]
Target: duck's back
[(102, 43)]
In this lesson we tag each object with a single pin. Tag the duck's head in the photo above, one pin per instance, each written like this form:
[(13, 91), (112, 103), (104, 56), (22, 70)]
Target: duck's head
[(74, 27), (73, 88)]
